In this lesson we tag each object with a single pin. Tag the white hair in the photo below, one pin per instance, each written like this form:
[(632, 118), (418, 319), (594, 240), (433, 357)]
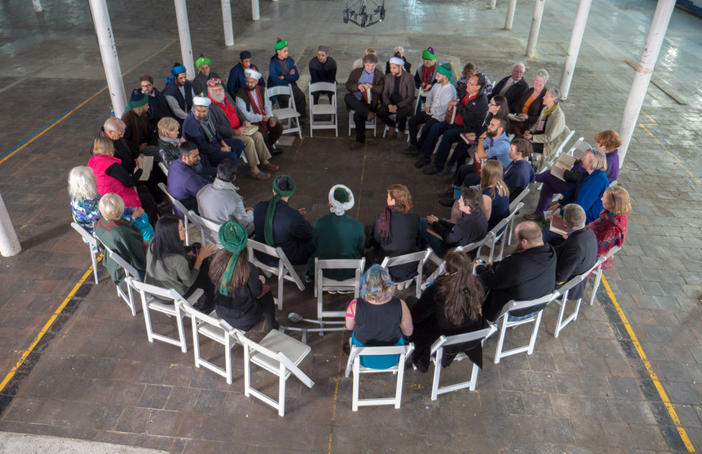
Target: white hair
[(113, 124), (543, 74), (519, 64), (81, 183), (111, 206)]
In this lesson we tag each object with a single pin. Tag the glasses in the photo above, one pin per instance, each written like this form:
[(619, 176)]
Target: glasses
[(492, 104)]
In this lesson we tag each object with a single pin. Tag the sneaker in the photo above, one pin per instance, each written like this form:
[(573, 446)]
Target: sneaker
[(421, 162)]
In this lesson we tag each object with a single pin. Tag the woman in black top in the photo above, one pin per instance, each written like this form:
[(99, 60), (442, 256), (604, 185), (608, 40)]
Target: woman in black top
[(241, 298), (451, 305)]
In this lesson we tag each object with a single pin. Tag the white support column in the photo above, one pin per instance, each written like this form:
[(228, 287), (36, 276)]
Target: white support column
[(576, 39), (535, 27), (511, 8), (493, 4), (37, 6), (9, 244), (108, 54), (227, 22), (186, 48), (644, 71), (255, 10)]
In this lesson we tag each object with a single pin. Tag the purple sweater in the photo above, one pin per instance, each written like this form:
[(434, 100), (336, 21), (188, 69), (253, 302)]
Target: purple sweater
[(612, 165)]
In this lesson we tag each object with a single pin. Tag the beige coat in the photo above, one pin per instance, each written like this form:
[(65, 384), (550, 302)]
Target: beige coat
[(553, 135)]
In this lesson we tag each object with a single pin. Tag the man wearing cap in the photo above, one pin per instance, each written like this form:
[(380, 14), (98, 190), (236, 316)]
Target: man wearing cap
[(322, 69), (198, 127), (158, 107), (282, 71), (435, 110), (337, 235), (228, 124), (237, 76), (278, 224), (398, 94), (425, 77), (179, 92), (252, 104), (365, 86), (204, 73), (136, 118)]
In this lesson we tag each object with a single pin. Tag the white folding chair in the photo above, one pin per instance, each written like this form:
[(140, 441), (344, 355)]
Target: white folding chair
[(441, 264), (164, 168), (289, 113), (547, 164), (129, 272), (562, 299), (514, 209), (579, 148), (437, 354), (280, 355), (598, 272), (420, 257), (284, 271), (354, 362), (209, 230), (506, 321), (324, 284), (177, 204), (498, 233), (323, 109), (92, 246), (157, 299), (370, 124), (214, 329)]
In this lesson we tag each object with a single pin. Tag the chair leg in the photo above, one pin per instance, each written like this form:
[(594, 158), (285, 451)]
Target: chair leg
[(228, 358), (535, 333), (130, 296), (93, 259), (356, 378), (181, 332), (281, 283), (474, 377), (147, 322), (400, 380), (501, 339), (196, 343), (187, 232), (596, 285), (436, 383), (247, 371), (281, 391), (561, 313)]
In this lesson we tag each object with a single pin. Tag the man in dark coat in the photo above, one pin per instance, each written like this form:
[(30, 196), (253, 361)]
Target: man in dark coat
[(529, 273), (158, 106), (136, 118), (322, 69), (237, 75), (198, 127), (578, 253), (365, 86), (179, 93), (512, 87), (398, 94)]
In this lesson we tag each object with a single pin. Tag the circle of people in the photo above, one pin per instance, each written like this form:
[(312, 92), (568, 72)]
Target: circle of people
[(499, 127)]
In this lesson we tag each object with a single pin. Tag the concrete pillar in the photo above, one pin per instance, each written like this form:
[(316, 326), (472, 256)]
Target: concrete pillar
[(535, 27), (37, 6), (186, 48), (255, 10), (227, 21), (511, 8), (644, 71), (576, 39), (108, 53), (9, 244), (493, 4)]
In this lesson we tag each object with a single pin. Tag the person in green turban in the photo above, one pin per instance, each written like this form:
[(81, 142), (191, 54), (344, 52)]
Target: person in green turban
[(425, 76), (282, 71), (136, 117), (204, 73), (241, 297)]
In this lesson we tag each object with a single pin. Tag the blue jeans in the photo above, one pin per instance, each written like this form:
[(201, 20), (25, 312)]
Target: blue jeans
[(436, 130)]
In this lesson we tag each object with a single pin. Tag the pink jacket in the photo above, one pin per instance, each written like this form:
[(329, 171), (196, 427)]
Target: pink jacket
[(107, 184)]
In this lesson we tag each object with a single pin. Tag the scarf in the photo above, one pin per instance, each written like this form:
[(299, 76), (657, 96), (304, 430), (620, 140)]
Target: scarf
[(175, 142), (384, 227), (207, 128), (233, 238), (287, 182), (549, 110)]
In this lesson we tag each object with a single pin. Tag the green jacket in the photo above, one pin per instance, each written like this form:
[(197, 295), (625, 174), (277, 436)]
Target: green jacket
[(124, 238), (337, 237)]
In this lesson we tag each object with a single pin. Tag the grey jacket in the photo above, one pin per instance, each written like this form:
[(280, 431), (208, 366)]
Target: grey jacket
[(219, 202)]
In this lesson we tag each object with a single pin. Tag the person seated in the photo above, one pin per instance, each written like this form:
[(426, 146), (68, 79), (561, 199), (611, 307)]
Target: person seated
[(608, 141), (365, 86), (114, 129), (241, 297), (512, 87), (121, 236), (255, 107), (527, 274), (183, 182), (282, 71), (451, 305), (610, 227), (169, 142), (279, 225), (547, 134), (322, 69), (337, 235), (530, 105), (519, 173), (203, 65), (399, 52), (169, 266), (223, 115), (199, 128), (179, 93), (425, 76), (495, 193), (469, 70), (237, 76), (220, 202), (378, 318), (136, 119), (397, 232), (158, 106), (578, 253), (358, 63), (398, 94), (437, 102), (467, 226)]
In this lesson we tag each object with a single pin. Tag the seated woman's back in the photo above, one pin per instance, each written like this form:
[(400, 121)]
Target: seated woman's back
[(495, 192), (378, 323)]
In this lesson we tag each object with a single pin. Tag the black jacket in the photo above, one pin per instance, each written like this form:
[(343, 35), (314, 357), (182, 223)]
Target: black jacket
[(473, 113), (534, 109), (469, 229), (290, 231), (514, 93), (405, 238), (576, 255), (524, 275)]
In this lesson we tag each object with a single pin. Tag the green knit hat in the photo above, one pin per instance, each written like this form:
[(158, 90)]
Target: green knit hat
[(445, 69), (283, 186), (137, 99), (202, 61), (429, 53), (233, 238), (280, 43)]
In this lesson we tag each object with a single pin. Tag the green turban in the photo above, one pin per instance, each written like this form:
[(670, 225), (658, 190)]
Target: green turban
[(428, 54), (280, 44), (233, 238), (445, 69), (202, 61), (283, 186)]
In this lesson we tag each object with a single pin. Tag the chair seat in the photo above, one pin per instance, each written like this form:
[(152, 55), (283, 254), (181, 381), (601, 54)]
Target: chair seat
[(333, 284), (324, 109), (157, 305), (278, 342), (283, 114), (216, 334)]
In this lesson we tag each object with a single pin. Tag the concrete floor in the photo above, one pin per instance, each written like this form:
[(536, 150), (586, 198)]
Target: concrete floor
[(94, 376)]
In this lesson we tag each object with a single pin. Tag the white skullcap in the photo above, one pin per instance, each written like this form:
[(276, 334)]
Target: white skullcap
[(397, 61), (337, 207), (252, 74), (399, 49), (202, 101)]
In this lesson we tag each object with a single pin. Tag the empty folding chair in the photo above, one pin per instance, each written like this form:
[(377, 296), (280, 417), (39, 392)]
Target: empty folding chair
[(354, 362), (598, 271), (177, 204), (93, 246), (323, 109), (283, 270), (209, 230), (280, 355), (497, 233), (562, 299), (288, 114), (370, 124), (437, 354), (124, 291), (419, 257), (579, 148), (506, 321), (513, 208), (324, 284)]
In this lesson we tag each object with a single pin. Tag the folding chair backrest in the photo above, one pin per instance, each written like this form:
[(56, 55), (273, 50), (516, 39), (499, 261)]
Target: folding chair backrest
[(87, 237), (284, 90), (340, 264), (447, 341), (284, 271), (323, 86), (209, 230), (177, 203), (154, 290), (419, 257), (164, 168), (129, 270), (526, 304), (517, 200), (580, 147)]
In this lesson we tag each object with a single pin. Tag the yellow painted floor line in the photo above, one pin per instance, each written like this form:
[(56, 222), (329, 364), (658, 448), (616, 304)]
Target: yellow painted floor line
[(649, 368)]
